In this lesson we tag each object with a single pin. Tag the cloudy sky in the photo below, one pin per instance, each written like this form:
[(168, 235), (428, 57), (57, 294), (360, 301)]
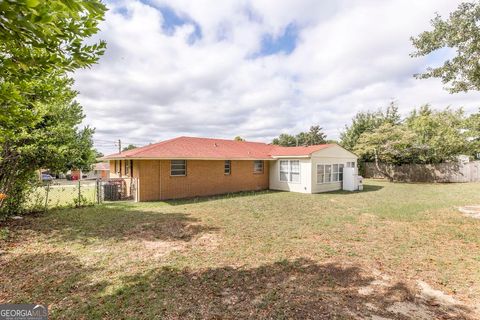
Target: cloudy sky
[(256, 68)]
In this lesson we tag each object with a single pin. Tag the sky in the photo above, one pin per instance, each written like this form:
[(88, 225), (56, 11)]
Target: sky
[(256, 69)]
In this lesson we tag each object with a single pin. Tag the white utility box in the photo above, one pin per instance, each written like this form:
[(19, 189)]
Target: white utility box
[(351, 180)]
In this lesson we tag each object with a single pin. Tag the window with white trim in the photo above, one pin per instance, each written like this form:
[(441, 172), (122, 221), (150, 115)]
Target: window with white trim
[(227, 167), (258, 166), (327, 173), (289, 170), (178, 167), (337, 172), (351, 164)]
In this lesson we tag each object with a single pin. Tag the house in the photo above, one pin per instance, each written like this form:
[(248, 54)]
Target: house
[(187, 167), (100, 170)]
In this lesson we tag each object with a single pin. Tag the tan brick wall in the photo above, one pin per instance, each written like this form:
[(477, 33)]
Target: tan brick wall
[(204, 177)]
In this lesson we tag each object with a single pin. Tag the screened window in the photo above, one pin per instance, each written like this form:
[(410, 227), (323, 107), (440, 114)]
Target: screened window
[(258, 166), (289, 170), (178, 167), (227, 167)]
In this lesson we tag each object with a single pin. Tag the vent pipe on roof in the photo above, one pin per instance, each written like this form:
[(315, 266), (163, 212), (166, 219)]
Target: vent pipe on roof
[(215, 144)]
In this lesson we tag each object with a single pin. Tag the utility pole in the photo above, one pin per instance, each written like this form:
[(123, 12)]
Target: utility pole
[(119, 146)]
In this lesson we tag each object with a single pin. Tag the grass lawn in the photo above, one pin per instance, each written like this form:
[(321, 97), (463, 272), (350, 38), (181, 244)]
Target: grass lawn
[(268, 255), (63, 195)]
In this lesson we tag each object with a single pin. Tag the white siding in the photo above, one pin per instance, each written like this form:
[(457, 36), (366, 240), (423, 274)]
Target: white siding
[(332, 155), (305, 184)]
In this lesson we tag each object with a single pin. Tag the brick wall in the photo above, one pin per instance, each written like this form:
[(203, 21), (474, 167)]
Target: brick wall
[(204, 177)]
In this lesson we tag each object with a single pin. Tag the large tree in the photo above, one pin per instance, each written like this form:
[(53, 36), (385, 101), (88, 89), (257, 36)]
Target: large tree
[(460, 31), (40, 42), (305, 138), (367, 122)]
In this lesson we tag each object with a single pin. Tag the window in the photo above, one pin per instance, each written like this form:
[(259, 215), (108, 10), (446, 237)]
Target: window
[(118, 168), (320, 173), (351, 164), (228, 167), (127, 167), (284, 170), (258, 166), (329, 173), (289, 170), (337, 174), (178, 167), (294, 170)]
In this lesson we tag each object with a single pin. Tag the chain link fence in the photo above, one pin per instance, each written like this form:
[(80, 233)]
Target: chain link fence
[(80, 193)]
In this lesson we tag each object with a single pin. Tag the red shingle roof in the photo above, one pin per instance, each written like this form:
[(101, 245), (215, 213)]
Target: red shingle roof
[(207, 148)]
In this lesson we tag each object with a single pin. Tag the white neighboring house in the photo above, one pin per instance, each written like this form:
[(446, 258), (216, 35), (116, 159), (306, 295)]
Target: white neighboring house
[(311, 172)]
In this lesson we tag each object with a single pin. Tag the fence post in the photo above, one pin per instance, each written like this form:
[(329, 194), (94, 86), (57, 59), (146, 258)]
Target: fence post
[(46, 196)]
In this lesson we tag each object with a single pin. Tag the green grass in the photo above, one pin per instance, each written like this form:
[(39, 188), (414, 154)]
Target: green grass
[(62, 196), (254, 255)]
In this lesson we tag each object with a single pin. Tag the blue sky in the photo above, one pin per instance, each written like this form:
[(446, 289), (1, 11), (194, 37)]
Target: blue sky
[(256, 68)]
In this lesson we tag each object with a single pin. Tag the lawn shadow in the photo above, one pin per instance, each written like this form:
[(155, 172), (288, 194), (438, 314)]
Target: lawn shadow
[(48, 278), (366, 188), (299, 289), (118, 223), (184, 201)]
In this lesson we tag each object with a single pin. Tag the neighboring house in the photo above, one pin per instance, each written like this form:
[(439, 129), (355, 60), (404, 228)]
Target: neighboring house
[(187, 167), (100, 170)]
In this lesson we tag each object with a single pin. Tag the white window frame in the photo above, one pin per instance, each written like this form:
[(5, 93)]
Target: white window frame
[(289, 171), (227, 165), (174, 170), (255, 162), (336, 170), (350, 164)]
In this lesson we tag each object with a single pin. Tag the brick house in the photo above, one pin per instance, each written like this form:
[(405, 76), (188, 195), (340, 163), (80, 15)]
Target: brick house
[(186, 167)]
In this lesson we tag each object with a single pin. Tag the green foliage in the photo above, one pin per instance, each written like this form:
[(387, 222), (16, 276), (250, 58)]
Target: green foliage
[(367, 122), (238, 138), (129, 147), (312, 137), (40, 41), (460, 32), (425, 136)]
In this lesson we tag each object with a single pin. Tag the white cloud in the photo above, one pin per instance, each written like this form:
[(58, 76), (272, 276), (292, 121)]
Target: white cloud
[(349, 56)]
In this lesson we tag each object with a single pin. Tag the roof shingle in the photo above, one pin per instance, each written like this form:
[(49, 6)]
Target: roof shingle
[(207, 148)]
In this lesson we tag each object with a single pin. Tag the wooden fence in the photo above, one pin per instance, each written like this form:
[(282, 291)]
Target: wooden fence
[(442, 172)]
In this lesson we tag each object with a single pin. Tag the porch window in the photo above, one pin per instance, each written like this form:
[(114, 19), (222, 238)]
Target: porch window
[(289, 170), (178, 167), (329, 173), (258, 166), (227, 167)]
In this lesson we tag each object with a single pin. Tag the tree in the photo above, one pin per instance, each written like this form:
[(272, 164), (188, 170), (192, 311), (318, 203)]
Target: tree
[(311, 137), (40, 41), (314, 136), (129, 147), (460, 32), (439, 135), (285, 140), (367, 122), (238, 138), (388, 144)]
